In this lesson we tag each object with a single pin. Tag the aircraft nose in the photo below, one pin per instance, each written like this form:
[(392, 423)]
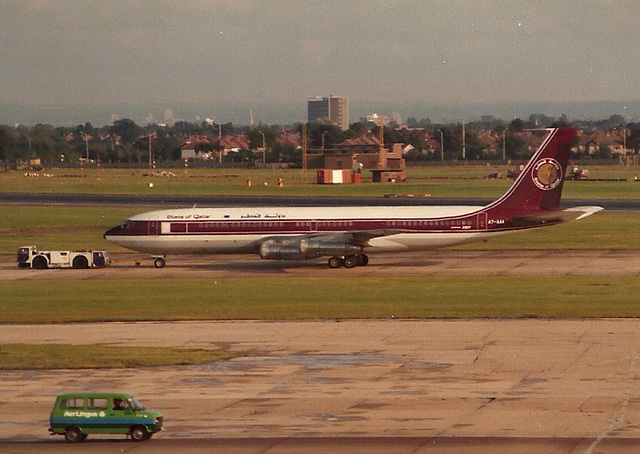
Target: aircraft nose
[(109, 232)]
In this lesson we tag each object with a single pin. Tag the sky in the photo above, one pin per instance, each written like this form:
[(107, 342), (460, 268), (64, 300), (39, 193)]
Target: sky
[(105, 52)]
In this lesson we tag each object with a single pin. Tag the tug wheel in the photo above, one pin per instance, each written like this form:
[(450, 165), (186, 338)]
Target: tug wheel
[(80, 262), (40, 263)]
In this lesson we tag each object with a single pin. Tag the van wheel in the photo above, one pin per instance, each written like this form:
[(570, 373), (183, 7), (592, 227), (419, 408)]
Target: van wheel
[(139, 433), (73, 435)]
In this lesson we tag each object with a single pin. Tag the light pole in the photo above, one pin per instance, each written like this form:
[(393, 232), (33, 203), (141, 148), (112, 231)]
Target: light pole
[(441, 145), (86, 143), (150, 159), (464, 143), (504, 144), (264, 147), (150, 154), (323, 140)]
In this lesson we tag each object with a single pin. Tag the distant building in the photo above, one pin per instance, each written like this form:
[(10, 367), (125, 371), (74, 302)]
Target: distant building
[(226, 145), (613, 139), (335, 108), (376, 119), (365, 152)]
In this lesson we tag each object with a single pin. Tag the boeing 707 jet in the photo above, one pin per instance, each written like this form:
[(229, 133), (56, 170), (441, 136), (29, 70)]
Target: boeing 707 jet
[(347, 234)]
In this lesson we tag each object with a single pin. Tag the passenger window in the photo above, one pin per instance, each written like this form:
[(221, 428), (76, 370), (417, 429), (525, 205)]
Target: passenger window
[(72, 403), (98, 404)]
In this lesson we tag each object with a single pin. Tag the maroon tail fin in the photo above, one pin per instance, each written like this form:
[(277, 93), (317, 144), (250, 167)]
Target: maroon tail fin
[(539, 186)]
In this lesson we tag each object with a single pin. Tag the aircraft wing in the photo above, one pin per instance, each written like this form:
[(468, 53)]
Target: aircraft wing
[(355, 237), (362, 237)]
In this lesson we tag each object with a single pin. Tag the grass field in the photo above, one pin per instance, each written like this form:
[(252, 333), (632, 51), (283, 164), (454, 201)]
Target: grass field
[(318, 298), (434, 181), (50, 356)]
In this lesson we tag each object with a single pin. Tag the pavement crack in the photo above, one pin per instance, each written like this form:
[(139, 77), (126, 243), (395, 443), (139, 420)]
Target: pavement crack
[(620, 420)]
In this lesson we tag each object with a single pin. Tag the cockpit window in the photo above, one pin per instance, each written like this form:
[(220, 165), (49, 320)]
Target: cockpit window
[(126, 224)]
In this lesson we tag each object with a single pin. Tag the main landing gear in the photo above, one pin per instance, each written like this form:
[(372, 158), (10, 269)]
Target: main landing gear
[(348, 261), (159, 262)]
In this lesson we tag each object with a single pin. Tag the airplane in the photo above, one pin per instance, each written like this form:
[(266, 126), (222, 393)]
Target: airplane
[(347, 234)]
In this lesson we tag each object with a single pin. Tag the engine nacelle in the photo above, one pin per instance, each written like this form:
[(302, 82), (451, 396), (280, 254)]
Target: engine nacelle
[(316, 247), (280, 250), (305, 248)]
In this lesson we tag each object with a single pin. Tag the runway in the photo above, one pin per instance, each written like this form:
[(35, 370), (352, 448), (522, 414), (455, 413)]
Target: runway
[(170, 200)]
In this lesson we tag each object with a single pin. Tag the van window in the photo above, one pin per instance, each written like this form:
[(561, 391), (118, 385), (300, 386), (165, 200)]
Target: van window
[(72, 403), (136, 405), (98, 404)]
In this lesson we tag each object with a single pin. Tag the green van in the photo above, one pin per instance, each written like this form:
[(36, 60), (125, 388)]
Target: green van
[(76, 415)]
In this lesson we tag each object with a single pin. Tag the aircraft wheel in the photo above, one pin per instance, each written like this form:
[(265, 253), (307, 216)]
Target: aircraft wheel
[(350, 261), (363, 259), (159, 262), (335, 262)]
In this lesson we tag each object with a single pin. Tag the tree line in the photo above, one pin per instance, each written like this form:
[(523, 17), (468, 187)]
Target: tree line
[(126, 142)]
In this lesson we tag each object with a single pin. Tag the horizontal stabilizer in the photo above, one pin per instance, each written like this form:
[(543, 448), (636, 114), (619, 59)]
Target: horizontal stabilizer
[(556, 216), (583, 212)]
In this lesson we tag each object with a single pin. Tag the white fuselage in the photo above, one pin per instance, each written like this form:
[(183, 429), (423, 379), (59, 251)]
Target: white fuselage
[(239, 230)]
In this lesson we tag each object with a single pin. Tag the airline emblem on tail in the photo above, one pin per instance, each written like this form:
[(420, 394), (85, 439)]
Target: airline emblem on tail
[(547, 174)]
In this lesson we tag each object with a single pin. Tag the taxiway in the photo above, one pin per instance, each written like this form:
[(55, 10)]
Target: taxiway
[(374, 386), (432, 263), (565, 386)]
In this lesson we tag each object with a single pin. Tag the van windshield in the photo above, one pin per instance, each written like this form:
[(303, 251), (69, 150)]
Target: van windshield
[(135, 404)]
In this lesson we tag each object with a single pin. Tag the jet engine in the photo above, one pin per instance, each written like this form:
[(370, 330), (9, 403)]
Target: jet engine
[(305, 248)]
